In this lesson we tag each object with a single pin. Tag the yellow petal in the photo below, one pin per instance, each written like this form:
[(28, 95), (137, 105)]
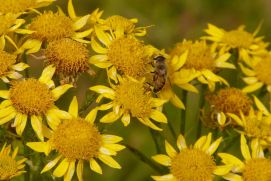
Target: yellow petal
[(170, 150), (7, 118), (102, 36), (168, 177), (158, 116), (60, 90), (176, 101), (62, 168), (260, 106), (222, 170), (36, 122), (105, 91), (250, 80), (79, 170), (114, 147), (126, 119), (181, 143), (110, 117), (50, 165), (109, 161), (20, 66), (214, 146), (73, 109), (106, 151), (41, 147), (59, 113), (200, 142), (21, 126), (81, 22), (111, 139), (95, 166), (244, 148), (229, 159), (6, 111), (162, 159), (97, 47), (4, 94), (236, 119), (233, 177), (252, 87), (91, 116), (70, 172), (47, 74), (148, 123), (71, 11)]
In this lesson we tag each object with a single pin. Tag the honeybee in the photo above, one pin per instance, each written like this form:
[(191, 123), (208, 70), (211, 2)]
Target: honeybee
[(160, 73)]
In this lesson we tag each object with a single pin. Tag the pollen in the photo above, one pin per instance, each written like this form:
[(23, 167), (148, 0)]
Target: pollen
[(7, 21), (199, 55), (230, 100), (6, 60), (16, 6), (51, 26), (257, 169), (238, 39), (128, 56), (8, 167), (262, 69), (77, 139), (68, 56), (192, 165), (119, 22), (31, 97), (134, 99)]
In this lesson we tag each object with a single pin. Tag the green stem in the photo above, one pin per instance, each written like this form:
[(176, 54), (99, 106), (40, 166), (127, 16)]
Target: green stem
[(24, 56), (201, 104), (158, 140), (183, 116), (170, 126), (89, 100), (144, 158)]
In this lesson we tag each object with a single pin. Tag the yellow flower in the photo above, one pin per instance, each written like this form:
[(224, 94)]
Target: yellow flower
[(9, 167), (203, 61), (194, 163), (257, 73), (8, 66), (247, 43), (178, 76), (10, 24), (130, 98), (75, 141), (256, 125), (22, 6), (120, 54), (228, 100), (34, 99), (124, 25), (69, 57), (51, 26), (254, 167)]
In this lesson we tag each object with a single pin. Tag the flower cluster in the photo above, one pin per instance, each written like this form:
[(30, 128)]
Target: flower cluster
[(131, 81)]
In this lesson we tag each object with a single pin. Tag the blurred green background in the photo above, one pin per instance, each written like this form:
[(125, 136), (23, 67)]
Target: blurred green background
[(174, 20)]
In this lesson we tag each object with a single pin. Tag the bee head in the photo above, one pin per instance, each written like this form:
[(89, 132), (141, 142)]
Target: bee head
[(160, 58)]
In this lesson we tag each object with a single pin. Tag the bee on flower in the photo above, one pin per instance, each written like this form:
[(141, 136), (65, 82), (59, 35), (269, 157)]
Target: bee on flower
[(189, 163), (9, 167), (76, 141), (203, 61), (248, 44), (130, 98), (34, 99)]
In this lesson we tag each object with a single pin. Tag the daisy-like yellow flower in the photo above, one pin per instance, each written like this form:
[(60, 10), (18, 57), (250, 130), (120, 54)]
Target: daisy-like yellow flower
[(194, 163), (124, 25), (254, 167), (33, 98), (121, 54), (228, 100), (69, 57), (248, 44), (10, 23), (76, 141), (50, 26), (130, 98), (9, 167), (257, 73), (178, 76), (9, 68), (22, 6), (203, 60)]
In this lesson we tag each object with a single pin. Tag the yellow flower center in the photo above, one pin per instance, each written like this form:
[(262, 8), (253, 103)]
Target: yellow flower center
[(6, 61), (230, 100), (16, 6), (192, 165), (68, 56), (8, 167), (119, 22), (199, 55), (51, 26), (134, 99), (258, 128), (31, 97), (7, 21), (128, 55), (77, 139), (257, 169), (262, 69), (238, 39)]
